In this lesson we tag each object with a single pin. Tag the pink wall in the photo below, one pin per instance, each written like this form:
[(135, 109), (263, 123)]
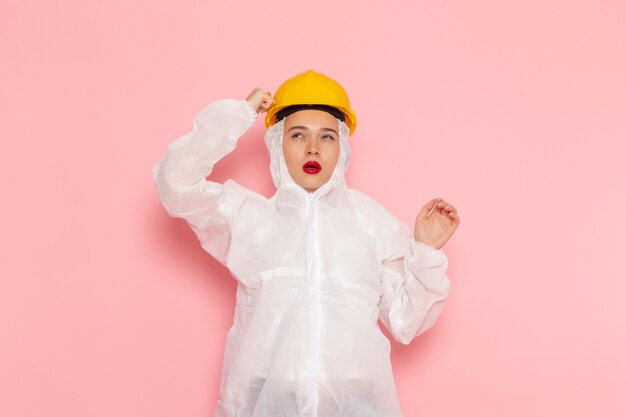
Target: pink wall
[(515, 112)]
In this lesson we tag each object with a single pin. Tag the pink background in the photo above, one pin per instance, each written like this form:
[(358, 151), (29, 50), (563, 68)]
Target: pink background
[(515, 112)]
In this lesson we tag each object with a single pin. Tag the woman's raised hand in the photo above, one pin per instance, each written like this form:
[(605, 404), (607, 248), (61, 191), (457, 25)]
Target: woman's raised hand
[(260, 100), (435, 229)]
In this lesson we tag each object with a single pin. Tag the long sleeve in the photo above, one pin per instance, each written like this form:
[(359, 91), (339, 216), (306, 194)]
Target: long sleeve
[(412, 274), (415, 286), (180, 175)]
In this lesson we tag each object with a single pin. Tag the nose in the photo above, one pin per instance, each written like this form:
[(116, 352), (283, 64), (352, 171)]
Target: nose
[(312, 149)]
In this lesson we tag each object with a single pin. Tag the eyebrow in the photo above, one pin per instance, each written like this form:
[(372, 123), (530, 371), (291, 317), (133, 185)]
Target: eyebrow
[(326, 129)]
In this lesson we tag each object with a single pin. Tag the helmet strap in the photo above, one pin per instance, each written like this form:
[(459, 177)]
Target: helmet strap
[(292, 109)]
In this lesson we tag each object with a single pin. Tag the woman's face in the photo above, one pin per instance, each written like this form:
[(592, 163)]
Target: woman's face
[(311, 147)]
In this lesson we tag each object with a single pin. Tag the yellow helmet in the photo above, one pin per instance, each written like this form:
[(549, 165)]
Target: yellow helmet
[(311, 88)]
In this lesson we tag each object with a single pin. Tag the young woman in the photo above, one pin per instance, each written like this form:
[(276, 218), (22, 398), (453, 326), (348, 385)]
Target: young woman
[(317, 264)]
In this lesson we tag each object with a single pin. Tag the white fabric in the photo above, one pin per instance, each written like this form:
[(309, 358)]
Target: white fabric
[(315, 272)]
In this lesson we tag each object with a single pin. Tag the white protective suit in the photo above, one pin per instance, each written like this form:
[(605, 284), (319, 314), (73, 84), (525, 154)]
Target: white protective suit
[(315, 272)]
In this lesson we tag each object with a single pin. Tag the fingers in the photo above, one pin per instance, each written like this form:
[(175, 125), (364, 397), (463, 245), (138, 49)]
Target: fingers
[(439, 206), (448, 210), (442, 205), (260, 100), (266, 102), (426, 209)]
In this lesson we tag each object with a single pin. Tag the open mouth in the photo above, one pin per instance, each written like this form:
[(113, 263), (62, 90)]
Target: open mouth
[(312, 167)]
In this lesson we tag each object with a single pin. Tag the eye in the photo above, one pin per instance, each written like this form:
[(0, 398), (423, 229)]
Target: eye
[(328, 137), (296, 135)]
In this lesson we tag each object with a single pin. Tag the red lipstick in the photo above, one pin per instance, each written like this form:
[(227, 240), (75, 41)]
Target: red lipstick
[(312, 167)]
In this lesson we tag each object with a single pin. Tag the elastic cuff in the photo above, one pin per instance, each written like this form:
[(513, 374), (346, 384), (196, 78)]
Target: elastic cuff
[(427, 247), (251, 110)]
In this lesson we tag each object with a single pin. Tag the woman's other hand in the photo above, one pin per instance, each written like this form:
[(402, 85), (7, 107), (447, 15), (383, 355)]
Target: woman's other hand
[(260, 100), (435, 229)]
